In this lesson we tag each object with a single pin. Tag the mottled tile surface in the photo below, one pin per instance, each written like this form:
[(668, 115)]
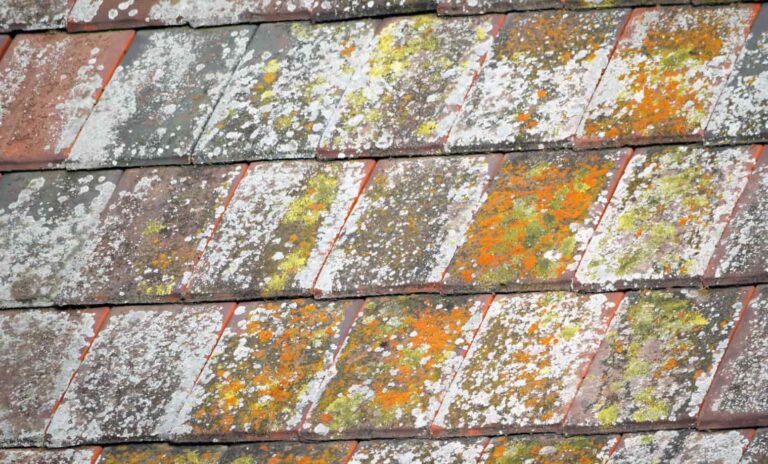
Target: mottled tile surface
[(284, 91), (406, 96), (269, 366), (418, 451), (739, 393), (535, 87), (534, 226), (525, 365), (159, 100), (41, 456), (151, 235), (329, 10), (48, 222), (665, 75), (665, 219), (549, 449), (29, 15), (161, 454), (657, 360), (88, 15), (406, 226), (50, 84), (681, 447), (401, 355), (278, 229), (137, 374), (39, 352), (462, 7), (214, 12), (757, 452), (290, 453), (574, 4)]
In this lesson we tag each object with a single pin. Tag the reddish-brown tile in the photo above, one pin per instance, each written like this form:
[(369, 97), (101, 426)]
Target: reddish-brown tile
[(332, 10), (549, 449), (33, 15), (215, 12), (47, 456), (337, 452), (460, 451), (162, 454), (92, 15), (757, 452), (464, 7)]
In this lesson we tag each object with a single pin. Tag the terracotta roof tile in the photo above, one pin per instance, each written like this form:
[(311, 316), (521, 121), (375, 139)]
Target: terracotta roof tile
[(757, 452), (160, 98), (463, 7), (549, 449), (88, 15), (435, 452), (681, 446), (290, 453), (620, 3), (161, 454), (40, 456), (29, 15), (326, 10), (136, 375), (216, 12)]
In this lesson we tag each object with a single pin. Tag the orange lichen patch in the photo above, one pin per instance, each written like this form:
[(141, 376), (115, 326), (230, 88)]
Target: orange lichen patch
[(289, 453), (161, 454), (550, 449)]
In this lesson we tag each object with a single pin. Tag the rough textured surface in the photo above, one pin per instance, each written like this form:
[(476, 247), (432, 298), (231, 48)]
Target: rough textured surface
[(525, 365), (40, 456), (532, 230), (290, 453), (757, 452), (401, 355), (284, 91), (419, 451), (407, 224), (574, 4), (463, 7), (329, 10), (39, 352), (158, 102), (278, 229), (50, 84), (681, 447), (406, 96), (666, 217), (29, 15), (47, 220), (270, 365), (549, 449), (137, 374), (657, 360), (535, 87), (88, 15), (665, 75), (161, 454), (151, 235), (214, 12)]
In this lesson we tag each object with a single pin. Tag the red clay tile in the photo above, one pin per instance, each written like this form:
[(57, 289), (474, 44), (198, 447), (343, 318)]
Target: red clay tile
[(50, 84), (461, 451), (333, 10), (216, 12), (162, 454), (549, 449), (33, 15), (757, 452), (93, 15), (681, 447), (5, 41), (290, 453), (47, 456), (464, 7)]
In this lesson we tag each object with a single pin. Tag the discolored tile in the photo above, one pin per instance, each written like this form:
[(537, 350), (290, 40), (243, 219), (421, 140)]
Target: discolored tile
[(91, 15), (151, 235), (464, 7), (137, 374), (657, 360), (526, 363), (400, 357), (289, 453), (46, 456), (161, 454), (406, 225), (576, 4), (681, 447), (757, 452), (50, 84), (278, 229), (217, 12), (332, 10), (536, 85), (406, 96), (665, 75), (282, 95), (431, 451), (534, 226), (159, 100), (664, 221), (32, 15), (39, 352), (269, 366), (48, 223), (549, 449)]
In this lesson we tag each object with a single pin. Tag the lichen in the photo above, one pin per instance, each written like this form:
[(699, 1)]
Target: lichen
[(681, 446), (419, 451), (161, 454), (549, 449)]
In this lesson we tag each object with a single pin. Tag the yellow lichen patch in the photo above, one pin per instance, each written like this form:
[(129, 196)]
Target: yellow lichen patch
[(549, 449), (161, 454)]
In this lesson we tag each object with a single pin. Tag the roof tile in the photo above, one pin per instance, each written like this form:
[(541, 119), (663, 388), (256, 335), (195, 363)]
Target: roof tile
[(665, 219), (215, 12), (535, 87), (330, 10), (269, 366), (681, 447), (70, 71), (757, 452), (39, 352), (290, 453), (406, 225), (406, 96), (151, 234), (526, 363), (463, 7), (534, 226), (657, 360), (160, 98), (89, 15), (401, 355), (29, 15), (284, 91), (665, 75), (47, 456), (435, 452), (620, 3), (137, 374), (47, 220), (549, 449), (161, 454)]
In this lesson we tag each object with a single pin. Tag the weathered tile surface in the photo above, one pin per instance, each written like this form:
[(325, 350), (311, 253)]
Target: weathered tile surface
[(549, 449), (327, 10), (739, 392), (406, 96), (535, 87), (290, 453), (41, 456), (87, 15), (757, 452), (525, 365), (401, 355), (50, 84), (534, 226), (462, 7), (419, 451), (284, 91), (657, 360), (47, 221), (39, 352), (574, 4), (406, 225), (161, 454), (214, 12), (29, 15), (151, 234), (278, 229), (664, 221), (681, 447), (270, 364), (665, 75), (137, 374), (156, 105)]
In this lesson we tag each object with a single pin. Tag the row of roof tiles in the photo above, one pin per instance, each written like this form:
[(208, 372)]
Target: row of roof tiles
[(411, 366), (403, 86), (594, 221), (674, 447)]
